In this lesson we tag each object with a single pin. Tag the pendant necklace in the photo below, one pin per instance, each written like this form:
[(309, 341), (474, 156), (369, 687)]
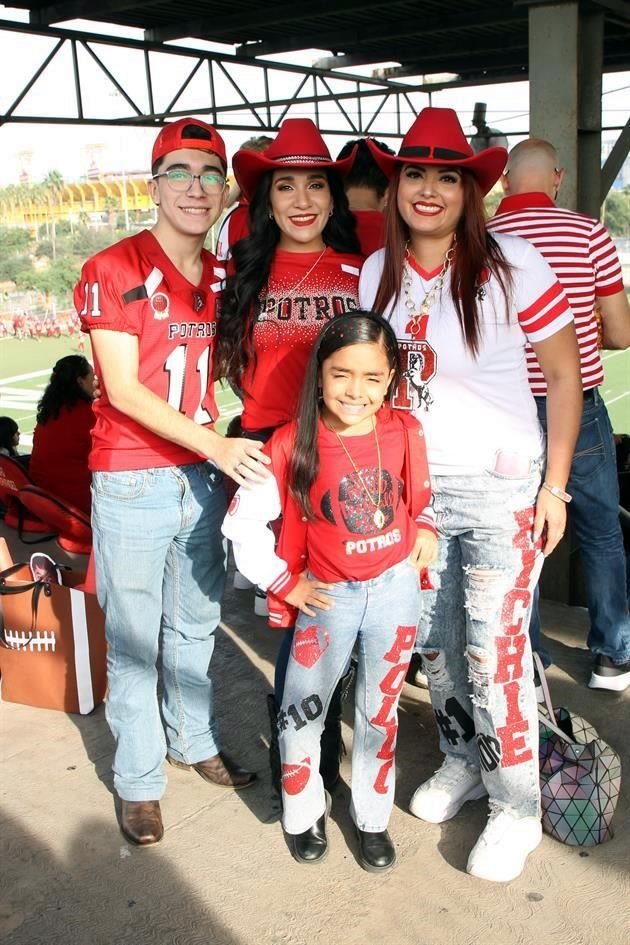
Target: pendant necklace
[(417, 324), (379, 516), (294, 288)]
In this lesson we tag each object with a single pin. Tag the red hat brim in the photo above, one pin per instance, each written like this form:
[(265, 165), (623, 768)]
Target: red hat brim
[(486, 166), (249, 167)]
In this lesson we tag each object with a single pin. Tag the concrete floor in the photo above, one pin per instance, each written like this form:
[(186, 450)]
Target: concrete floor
[(223, 874)]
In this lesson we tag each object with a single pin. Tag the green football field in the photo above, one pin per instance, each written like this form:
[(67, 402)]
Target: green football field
[(25, 369)]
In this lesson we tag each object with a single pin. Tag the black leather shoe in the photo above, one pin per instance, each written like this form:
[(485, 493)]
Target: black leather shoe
[(312, 845), (376, 851)]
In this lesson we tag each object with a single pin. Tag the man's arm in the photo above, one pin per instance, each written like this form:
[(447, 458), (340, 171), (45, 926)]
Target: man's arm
[(615, 320), (117, 354)]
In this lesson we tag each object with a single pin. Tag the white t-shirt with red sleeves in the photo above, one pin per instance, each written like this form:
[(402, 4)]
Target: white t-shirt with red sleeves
[(473, 408), (583, 257), (304, 291), (134, 287)]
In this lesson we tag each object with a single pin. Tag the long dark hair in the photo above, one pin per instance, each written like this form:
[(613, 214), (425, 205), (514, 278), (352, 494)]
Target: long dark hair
[(8, 429), (476, 250), (63, 389), (358, 327), (252, 258)]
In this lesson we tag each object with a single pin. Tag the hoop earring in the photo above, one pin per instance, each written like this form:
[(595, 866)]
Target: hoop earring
[(330, 212), (270, 215)]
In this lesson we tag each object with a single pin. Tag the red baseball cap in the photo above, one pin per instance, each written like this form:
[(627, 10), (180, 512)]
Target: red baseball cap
[(189, 133)]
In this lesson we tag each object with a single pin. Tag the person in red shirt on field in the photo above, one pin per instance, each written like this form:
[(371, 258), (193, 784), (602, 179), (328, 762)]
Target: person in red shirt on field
[(148, 303), (366, 188), (351, 480), (61, 439)]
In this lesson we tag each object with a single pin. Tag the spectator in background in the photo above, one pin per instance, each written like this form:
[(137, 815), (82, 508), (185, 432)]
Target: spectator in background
[(9, 438), (365, 187), (583, 257), (235, 223), (61, 441)]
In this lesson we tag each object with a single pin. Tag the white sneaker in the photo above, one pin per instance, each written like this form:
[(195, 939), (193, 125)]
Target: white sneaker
[(439, 798), (241, 583), (500, 853)]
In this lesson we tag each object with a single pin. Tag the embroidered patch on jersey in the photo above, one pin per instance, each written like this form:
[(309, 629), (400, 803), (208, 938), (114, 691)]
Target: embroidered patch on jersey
[(295, 777), (160, 303), (309, 644), (199, 300)]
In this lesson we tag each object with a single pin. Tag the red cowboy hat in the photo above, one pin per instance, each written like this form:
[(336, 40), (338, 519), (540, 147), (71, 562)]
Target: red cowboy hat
[(436, 137), (298, 145)]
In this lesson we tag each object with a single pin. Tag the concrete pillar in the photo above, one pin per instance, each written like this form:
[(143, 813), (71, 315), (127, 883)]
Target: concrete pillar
[(553, 85), (591, 59)]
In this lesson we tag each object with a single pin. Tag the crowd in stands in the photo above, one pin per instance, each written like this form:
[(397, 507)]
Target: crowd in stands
[(414, 383)]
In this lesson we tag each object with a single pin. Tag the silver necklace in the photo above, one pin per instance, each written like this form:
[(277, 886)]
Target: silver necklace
[(293, 289)]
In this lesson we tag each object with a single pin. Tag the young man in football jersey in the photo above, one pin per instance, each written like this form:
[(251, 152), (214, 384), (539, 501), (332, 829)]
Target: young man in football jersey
[(148, 304)]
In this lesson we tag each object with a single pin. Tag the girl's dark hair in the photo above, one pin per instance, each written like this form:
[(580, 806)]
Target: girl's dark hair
[(252, 258), (355, 328), (476, 250), (8, 429), (63, 389)]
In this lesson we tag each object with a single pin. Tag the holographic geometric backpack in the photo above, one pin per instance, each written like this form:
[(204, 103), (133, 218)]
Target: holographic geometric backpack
[(580, 776)]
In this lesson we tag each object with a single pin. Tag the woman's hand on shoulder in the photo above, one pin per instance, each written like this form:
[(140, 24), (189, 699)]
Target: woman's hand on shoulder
[(309, 593), (550, 520), (424, 551)]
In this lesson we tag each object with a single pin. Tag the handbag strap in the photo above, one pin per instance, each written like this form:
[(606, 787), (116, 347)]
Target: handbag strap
[(551, 722), (36, 588)]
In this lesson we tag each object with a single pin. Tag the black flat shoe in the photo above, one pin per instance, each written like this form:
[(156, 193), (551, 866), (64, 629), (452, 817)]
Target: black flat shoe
[(376, 851), (312, 845)]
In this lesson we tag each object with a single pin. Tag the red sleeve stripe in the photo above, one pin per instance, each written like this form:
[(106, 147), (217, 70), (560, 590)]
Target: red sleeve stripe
[(544, 310)]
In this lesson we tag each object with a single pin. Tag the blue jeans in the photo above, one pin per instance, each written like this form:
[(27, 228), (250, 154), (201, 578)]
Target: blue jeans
[(382, 614), (476, 619), (160, 571), (594, 515)]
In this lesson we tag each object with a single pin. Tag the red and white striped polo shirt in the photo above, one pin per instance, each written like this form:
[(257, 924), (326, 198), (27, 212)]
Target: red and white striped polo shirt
[(583, 257)]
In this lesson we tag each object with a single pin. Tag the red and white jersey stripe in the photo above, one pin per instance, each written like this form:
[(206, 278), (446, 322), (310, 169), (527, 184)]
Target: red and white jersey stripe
[(583, 257)]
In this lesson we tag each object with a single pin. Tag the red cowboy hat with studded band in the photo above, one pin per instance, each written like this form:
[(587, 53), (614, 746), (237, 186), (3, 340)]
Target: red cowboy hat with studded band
[(297, 145), (436, 137)]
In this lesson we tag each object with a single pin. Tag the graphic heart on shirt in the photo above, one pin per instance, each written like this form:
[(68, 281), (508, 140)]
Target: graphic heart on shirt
[(295, 777), (309, 644)]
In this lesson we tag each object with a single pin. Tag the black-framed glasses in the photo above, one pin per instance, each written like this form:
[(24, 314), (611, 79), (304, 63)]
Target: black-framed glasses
[(181, 180)]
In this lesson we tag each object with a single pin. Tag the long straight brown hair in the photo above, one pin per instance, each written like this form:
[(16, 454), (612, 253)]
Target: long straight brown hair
[(476, 250)]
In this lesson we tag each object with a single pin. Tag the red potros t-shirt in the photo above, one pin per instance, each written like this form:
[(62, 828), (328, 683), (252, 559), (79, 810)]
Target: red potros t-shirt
[(304, 291), (133, 287)]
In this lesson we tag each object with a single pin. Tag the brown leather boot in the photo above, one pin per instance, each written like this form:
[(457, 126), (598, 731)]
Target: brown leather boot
[(141, 822), (220, 770)]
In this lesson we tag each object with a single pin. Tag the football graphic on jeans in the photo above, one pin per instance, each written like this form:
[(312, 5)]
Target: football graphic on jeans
[(295, 777), (309, 644)]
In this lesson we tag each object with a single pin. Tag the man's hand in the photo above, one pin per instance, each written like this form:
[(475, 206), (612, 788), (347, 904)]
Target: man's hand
[(550, 520), (307, 593)]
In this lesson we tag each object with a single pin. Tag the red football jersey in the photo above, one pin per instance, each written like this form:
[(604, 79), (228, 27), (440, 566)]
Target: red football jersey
[(134, 287), (304, 291)]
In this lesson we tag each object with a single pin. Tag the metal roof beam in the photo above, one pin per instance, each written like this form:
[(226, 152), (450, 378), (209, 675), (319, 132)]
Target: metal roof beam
[(266, 17), (73, 9), (620, 10), (353, 40)]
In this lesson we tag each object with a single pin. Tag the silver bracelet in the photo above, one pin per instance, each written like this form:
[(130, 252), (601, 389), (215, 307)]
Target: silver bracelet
[(558, 492)]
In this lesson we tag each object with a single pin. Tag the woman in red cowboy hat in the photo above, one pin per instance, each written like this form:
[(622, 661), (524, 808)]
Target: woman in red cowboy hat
[(297, 269), (468, 308)]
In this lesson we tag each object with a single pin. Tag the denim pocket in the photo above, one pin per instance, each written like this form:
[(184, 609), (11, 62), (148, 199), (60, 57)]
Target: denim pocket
[(590, 451), (121, 485)]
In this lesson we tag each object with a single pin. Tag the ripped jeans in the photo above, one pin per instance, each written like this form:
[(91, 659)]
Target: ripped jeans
[(476, 620)]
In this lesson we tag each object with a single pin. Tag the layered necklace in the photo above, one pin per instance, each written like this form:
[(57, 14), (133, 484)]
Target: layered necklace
[(417, 324), (379, 516), (273, 311)]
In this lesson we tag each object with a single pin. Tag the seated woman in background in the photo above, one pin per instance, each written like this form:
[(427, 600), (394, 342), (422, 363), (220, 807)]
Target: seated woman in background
[(10, 438), (61, 441)]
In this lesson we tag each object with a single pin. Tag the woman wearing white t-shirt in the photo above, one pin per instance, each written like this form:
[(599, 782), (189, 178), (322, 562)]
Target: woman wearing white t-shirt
[(463, 304)]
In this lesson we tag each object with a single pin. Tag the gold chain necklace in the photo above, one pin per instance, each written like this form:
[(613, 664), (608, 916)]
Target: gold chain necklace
[(379, 516), (417, 324), (271, 312)]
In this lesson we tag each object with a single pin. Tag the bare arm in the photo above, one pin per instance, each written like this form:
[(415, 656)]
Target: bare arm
[(615, 320), (559, 360), (117, 355)]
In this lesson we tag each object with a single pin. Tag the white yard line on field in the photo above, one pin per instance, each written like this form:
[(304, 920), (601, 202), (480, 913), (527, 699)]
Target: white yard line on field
[(24, 377)]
